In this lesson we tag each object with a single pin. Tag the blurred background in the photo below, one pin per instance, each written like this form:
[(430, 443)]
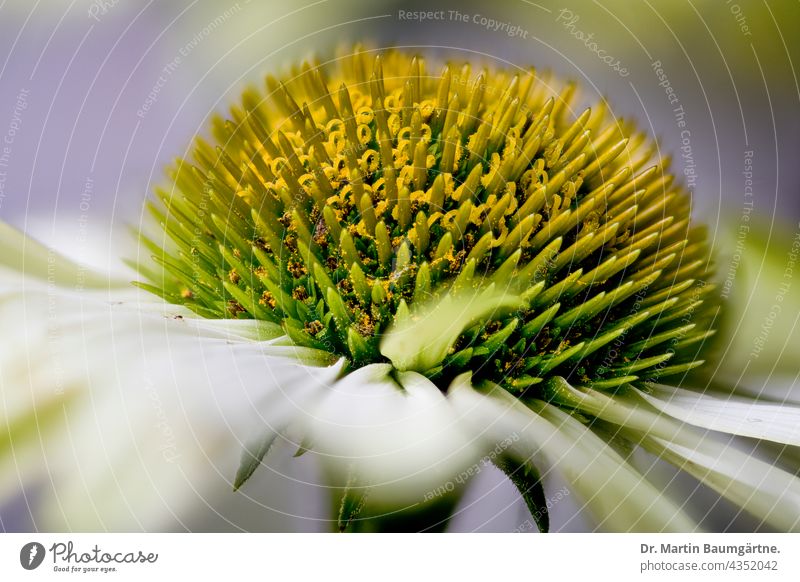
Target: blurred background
[(97, 96)]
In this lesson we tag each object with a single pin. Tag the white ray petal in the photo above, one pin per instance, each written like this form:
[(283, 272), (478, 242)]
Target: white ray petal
[(25, 259), (734, 415), (780, 388), (619, 498), (147, 411), (768, 492), (399, 433)]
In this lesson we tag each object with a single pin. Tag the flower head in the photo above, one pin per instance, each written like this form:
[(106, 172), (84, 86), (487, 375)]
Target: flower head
[(442, 223)]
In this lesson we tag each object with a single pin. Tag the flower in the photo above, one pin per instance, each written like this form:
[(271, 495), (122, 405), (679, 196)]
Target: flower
[(415, 275), (119, 412)]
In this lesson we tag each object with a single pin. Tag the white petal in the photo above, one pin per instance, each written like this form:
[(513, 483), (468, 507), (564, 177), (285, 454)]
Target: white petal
[(25, 260), (151, 410), (769, 493), (780, 388), (734, 415), (619, 498), (400, 436)]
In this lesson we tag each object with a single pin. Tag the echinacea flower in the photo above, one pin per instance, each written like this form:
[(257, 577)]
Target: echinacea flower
[(405, 275)]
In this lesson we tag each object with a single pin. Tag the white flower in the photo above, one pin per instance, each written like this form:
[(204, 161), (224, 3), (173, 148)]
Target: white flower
[(483, 291)]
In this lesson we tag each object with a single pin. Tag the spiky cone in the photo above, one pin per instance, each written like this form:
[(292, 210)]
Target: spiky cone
[(395, 191), (497, 278)]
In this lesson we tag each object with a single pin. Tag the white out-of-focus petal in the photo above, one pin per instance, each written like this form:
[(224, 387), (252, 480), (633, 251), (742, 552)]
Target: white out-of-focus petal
[(763, 337), (397, 434), (768, 492), (731, 414), (27, 262), (618, 497), (152, 409), (780, 388)]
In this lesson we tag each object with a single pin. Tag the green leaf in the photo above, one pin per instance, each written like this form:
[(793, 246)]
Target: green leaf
[(526, 479), (304, 446), (31, 258), (251, 459)]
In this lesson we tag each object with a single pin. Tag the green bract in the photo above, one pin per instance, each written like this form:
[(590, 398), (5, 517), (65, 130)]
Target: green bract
[(444, 223)]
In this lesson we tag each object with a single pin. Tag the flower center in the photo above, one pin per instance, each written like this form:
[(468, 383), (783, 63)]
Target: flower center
[(534, 242)]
